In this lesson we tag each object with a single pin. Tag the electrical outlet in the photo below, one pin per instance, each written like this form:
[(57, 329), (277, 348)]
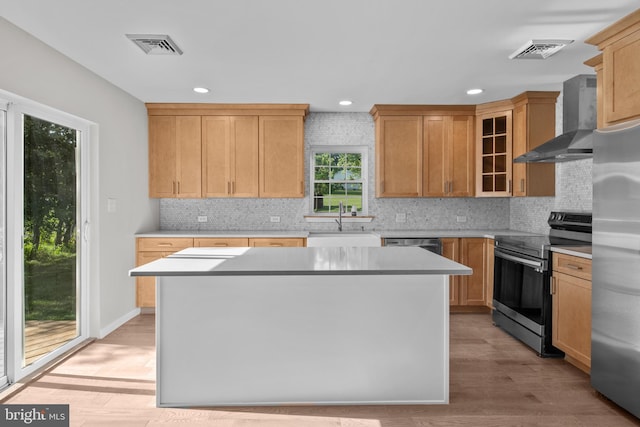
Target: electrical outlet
[(461, 218), (401, 217), (274, 219), (202, 218)]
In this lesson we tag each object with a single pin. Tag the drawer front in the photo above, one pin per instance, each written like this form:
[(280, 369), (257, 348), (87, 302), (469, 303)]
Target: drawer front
[(276, 242), (572, 265), (149, 244), (233, 242)]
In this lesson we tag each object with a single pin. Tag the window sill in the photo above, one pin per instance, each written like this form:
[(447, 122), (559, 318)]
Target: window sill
[(333, 218)]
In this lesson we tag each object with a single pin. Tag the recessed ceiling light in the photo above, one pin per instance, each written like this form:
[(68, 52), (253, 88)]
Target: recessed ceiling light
[(345, 102), (474, 91), (201, 90)]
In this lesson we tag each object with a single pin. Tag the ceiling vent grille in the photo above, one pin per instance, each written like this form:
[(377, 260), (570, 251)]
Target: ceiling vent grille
[(155, 44), (539, 49)]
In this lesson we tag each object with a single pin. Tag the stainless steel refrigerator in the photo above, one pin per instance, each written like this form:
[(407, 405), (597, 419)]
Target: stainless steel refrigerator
[(615, 336)]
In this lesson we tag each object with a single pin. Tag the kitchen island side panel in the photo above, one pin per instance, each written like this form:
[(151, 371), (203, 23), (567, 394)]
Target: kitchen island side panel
[(272, 340)]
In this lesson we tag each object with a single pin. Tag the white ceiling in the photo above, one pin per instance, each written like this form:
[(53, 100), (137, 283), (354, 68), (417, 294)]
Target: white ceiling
[(322, 51)]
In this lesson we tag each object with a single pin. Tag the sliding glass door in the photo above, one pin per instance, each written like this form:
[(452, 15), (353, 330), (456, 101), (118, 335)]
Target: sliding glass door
[(50, 285), (46, 235)]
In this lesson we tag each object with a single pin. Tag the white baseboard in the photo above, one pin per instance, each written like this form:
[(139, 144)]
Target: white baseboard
[(118, 322)]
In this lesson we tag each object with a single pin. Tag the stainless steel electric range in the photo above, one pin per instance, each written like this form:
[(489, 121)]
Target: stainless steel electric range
[(522, 273)]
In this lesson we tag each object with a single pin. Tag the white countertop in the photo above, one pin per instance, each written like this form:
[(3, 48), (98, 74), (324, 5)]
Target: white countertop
[(579, 251), (301, 261), (303, 234)]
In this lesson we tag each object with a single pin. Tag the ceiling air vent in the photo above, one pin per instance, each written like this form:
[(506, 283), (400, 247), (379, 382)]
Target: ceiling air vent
[(539, 49), (155, 44)]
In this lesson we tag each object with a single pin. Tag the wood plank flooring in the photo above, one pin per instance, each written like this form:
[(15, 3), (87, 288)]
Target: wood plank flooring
[(495, 381), (44, 336)]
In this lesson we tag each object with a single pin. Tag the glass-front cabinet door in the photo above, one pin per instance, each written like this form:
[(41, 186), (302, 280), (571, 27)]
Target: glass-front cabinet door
[(494, 156)]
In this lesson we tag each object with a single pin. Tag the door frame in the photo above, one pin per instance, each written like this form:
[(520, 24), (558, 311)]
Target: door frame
[(14, 237)]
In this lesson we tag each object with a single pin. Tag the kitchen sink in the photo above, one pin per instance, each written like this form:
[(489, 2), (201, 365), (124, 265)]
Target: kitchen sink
[(340, 239)]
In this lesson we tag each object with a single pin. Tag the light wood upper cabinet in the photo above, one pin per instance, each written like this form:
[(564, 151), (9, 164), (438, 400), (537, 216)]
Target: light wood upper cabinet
[(399, 156), (281, 153), (226, 150), (493, 154), (424, 150), (534, 123), (230, 156), (174, 156), (620, 81), (448, 156)]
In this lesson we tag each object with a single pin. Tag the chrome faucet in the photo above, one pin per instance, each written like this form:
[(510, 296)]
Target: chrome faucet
[(339, 220)]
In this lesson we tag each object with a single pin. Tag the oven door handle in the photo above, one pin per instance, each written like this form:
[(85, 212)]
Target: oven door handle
[(535, 264)]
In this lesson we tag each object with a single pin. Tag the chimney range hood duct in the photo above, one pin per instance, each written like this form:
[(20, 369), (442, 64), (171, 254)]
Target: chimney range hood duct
[(578, 122)]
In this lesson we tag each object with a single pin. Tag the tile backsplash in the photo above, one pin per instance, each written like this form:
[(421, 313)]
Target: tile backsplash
[(527, 214)]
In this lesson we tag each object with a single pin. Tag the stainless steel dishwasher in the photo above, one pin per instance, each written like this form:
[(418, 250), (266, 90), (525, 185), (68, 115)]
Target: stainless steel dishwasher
[(431, 244)]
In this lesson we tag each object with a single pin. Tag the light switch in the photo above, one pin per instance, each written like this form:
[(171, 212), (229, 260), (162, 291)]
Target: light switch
[(111, 205)]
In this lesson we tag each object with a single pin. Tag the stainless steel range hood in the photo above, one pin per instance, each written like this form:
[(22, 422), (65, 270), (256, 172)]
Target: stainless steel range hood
[(579, 119)]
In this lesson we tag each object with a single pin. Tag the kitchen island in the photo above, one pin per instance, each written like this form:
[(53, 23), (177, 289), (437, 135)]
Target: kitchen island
[(277, 326)]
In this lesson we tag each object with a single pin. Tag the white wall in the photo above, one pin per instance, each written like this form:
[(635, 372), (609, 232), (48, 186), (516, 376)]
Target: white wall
[(35, 71)]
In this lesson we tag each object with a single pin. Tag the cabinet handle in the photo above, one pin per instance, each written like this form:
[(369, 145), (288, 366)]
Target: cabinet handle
[(228, 187), (450, 186), (509, 186), (164, 244), (574, 267), (178, 187), (276, 244), (173, 187), (302, 187), (233, 187), (552, 289), (221, 244), (522, 185)]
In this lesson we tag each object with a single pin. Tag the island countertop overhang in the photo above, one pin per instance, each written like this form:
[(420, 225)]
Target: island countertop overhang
[(301, 261)]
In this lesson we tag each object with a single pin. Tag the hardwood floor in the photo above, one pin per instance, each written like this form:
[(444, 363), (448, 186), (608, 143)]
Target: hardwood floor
[(495, 381)]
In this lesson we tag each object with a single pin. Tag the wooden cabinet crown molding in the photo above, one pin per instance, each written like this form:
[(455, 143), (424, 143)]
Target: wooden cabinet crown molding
[(535, 97), (421, 110), (196, 109), (616, 31), (594, 62)]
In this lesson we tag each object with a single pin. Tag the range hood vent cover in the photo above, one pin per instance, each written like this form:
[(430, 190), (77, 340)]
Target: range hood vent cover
[(155, 44), (539, 49)]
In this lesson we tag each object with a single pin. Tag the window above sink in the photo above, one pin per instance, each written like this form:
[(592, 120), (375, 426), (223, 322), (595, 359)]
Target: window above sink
[(338, 174)]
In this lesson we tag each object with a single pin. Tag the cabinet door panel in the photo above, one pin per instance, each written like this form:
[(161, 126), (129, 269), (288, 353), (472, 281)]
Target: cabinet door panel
[(281, 156), (399, 156), (472, 288), (162, 156), (461, 156), (189, 158), (435, 161), (243, 158), (572, 317), (215, 154), (450, 249), (519, 170)]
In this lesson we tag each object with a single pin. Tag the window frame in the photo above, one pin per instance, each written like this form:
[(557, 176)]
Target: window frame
[(364, 167)]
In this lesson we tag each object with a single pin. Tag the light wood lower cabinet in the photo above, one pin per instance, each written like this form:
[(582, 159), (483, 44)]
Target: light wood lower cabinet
[(571, 289), (472, 290), (150, 249)]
